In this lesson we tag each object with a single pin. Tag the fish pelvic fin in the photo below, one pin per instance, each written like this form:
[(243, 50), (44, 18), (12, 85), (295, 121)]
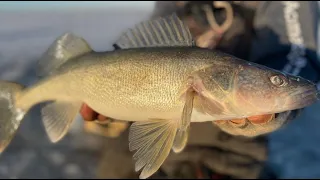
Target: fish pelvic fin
[(10, 115), (152, 141), (181, 138), (64, 48), (165, 31), (57, 118)]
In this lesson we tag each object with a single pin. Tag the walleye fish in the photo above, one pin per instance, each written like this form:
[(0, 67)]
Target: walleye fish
[(158, 79)]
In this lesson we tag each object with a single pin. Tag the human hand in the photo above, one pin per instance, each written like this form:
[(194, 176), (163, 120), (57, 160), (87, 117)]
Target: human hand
[(89, 114), (256, 125), (101, 125), (250, 127)]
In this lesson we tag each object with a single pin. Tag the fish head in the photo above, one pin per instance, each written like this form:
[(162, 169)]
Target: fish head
[(262, 90)]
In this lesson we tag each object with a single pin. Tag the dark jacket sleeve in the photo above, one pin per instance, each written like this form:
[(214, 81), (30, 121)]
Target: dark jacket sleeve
[(286, 37)]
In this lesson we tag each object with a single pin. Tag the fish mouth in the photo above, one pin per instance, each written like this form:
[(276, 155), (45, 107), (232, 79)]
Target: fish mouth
[(298, 99), (287, 116), (303, 98)]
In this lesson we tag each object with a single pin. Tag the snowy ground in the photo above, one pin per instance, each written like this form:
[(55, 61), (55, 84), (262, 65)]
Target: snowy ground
[(25, 35)]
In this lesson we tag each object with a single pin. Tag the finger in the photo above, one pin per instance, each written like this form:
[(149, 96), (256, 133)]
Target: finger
[(220, 122), (233, 122), (87, 113), (261, 119), (238, 122), (103, 119)]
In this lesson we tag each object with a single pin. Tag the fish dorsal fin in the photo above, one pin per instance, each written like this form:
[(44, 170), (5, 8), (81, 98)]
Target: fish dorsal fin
[(165, 31), (64, 48)]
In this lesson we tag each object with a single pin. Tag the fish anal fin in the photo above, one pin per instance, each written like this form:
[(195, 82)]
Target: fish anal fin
[(57, 118), (154, 147), (165, 31)]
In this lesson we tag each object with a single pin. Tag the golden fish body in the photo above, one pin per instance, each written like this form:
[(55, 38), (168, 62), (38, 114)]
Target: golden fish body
[(124, 83)]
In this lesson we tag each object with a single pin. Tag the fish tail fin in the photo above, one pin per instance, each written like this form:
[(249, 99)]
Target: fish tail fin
[(64, 48), (10, 115)]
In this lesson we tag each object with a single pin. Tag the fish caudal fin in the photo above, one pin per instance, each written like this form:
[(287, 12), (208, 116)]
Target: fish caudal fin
[(66, 47), (57, 118), (10, 116), (153, 140)]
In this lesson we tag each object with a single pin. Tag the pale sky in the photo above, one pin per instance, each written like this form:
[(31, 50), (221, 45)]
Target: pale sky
[(41, 5)]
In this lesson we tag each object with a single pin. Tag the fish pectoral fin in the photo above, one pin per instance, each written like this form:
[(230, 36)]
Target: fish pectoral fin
[(180, 140), (208, 105), (182, 135), (152, 140), (66, 47), (160, 32), (57, 118)]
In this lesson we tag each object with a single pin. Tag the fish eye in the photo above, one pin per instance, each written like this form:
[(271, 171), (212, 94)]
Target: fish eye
[(278, 80)]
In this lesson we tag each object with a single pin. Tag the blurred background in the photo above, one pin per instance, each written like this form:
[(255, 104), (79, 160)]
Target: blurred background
[(26, 31)]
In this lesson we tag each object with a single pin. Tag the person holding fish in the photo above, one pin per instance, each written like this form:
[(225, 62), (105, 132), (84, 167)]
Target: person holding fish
[(160, 80), (284, 58), (285, 61), (250, 126)]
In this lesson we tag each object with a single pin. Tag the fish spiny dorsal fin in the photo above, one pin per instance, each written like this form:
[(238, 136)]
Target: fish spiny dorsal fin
[(166, 31), (64, 48)]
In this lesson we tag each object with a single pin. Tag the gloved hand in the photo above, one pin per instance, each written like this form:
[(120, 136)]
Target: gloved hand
[(101, 125), (257, 125)]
